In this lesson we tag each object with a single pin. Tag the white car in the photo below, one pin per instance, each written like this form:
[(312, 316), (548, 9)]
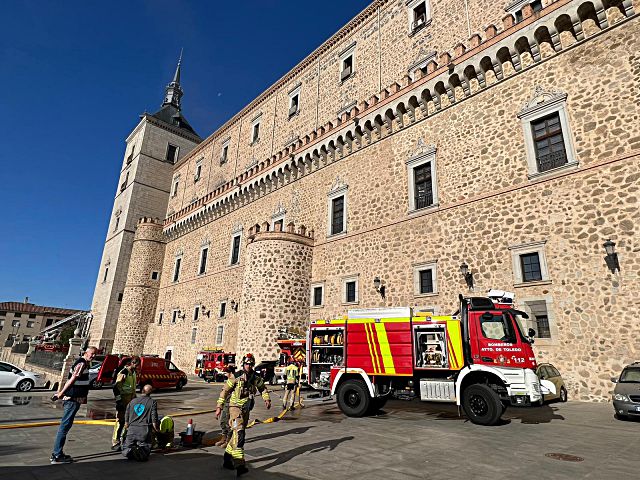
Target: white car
[(22, 380)]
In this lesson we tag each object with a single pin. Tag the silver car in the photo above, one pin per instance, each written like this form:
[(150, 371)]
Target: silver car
[(626, 395), (22, 380)]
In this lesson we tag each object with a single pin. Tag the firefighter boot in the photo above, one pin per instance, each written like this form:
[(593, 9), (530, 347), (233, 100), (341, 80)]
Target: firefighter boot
[(241, 470), (228, 461)]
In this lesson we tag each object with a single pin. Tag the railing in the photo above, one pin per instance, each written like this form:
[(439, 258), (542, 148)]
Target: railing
[(551, 161), (424, 199), (22, 347), (53, 360)]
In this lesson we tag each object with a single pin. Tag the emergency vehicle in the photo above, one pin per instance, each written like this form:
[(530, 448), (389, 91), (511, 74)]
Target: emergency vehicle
[(291, 350), (153, 370), (211, 364), (479, 358)]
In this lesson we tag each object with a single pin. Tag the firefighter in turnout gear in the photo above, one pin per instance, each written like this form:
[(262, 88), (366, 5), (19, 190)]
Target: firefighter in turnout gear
[(293, 374), (241, 386)]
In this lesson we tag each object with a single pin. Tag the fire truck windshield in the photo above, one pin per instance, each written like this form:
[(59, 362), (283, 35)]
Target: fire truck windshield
[(521, 323), (497, 326)]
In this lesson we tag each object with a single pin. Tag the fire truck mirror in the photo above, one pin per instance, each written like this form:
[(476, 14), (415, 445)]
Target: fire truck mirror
[(532, 332)]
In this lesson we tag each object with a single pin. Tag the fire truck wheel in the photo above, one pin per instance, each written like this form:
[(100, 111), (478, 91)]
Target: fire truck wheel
[(482, 404), (179, 385), (377, 404), (353, 398)]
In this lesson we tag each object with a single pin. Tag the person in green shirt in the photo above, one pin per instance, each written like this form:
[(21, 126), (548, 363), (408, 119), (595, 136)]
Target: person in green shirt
[(124, 390)]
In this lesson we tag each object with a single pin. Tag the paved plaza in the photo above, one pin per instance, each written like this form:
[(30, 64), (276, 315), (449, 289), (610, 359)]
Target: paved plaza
[(405, 440)]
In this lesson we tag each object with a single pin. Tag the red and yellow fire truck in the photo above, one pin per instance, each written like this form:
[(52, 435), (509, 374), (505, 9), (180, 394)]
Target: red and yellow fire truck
[(291, 350), (212, 363), (478, 358)]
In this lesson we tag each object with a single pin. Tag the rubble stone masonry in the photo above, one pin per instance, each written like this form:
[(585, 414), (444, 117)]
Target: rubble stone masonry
[(468, 111)]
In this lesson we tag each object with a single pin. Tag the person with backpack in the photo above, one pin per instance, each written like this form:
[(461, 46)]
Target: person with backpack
[(74, 393), (124, 390)]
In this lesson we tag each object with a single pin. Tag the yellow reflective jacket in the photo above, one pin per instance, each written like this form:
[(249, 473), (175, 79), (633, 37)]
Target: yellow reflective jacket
[(241, 387)]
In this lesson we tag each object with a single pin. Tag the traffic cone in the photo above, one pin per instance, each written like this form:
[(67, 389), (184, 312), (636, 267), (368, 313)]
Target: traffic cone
[(188, 437)]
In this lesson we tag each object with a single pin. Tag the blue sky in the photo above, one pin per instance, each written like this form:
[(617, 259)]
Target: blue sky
[(75, 75)]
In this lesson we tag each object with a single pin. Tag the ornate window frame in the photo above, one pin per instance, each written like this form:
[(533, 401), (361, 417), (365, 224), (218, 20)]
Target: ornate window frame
[(542, 103), (419, 267), (523, 249), (338, 189), (553, 326), (411, 5)]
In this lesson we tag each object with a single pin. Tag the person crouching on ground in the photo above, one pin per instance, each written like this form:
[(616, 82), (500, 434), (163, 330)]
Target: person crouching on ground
[(141, 416), (74, 393), (124, 390)]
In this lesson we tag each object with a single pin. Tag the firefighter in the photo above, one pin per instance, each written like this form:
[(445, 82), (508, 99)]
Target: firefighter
[(292, 374), (124, 391), (224, 419), (241, 387)]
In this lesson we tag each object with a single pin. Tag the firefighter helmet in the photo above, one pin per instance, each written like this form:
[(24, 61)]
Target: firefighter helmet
[(249, 359)]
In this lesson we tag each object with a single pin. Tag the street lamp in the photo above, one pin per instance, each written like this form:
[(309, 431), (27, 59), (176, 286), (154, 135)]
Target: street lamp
[(468, 276), (611, 258)]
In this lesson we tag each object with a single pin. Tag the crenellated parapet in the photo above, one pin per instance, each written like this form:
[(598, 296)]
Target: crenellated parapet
[(275, 291), (485, 59)]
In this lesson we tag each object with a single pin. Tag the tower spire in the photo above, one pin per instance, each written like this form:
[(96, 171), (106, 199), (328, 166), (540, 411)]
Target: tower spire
[(174, 91)]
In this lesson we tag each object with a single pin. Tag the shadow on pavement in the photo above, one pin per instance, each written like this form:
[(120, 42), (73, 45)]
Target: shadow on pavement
[(201, 465), (293, 431), (284, 457)]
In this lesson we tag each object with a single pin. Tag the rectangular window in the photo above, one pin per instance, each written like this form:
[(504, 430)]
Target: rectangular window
[(549, 142), (176, 269), (49, 322), (419, 16), (530, 264), (115, 228), (160, 318), (120, 296), (225, 154), (293, 104), (219, 334), (223, 309), (155, 275), (423, 185), (194, 333), (198, 173), (32, 315), (17, 315), (347, 67), (350, 292), (540, 318), (174, 192), (30, 324), (174, 316), (3, 313), (317, 295), (255, 136), (203, 261), (337, 215), (235, 250), (426, 281), (1, 324), (106, 273), (196, 313), (15, 323), (172, 153)]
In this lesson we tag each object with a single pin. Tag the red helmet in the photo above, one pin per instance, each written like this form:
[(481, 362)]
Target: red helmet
[(249, 359)]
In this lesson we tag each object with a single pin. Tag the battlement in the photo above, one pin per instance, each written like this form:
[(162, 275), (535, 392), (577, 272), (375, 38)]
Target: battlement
[(268, 231), (150, 220)]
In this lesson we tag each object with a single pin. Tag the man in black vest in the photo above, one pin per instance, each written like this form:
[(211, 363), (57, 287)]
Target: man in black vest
[(74, 393)]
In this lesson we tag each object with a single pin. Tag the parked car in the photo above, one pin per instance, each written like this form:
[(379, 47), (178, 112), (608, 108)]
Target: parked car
[(626, 395), (22, 380), (94, 371), (266, 370), (546, 371)]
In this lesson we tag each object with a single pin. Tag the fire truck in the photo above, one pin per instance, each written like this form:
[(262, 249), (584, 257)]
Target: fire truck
[(479, 358), (291, 349), (211, 364)]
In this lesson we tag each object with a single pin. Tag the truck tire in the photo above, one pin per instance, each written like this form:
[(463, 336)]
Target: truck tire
[(482, 404), (353, 398), (378, 403)]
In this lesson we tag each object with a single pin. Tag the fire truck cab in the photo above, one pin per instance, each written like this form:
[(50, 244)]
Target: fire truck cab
[(211, 364), (479, 358)]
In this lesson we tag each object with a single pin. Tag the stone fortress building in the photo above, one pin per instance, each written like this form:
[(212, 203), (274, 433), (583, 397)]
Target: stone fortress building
[(424, 137)]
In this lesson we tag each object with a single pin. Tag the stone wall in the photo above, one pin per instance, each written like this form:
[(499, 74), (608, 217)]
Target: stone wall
[(141, 290), (488, 203), (275, 291)]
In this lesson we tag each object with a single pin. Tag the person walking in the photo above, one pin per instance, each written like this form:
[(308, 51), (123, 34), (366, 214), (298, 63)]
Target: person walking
[(124, 390), (74, 393), (241, 387), (224, 418), (293, 374), (141, 416)]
